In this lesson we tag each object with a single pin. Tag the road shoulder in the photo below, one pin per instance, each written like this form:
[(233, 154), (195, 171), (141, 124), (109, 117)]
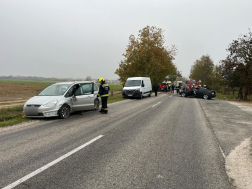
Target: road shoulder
[(231, 123)]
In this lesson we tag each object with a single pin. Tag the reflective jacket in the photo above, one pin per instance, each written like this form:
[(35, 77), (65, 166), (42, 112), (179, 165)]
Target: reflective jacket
[(104, 90)]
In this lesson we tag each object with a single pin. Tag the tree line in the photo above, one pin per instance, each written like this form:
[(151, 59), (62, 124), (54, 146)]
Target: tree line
[(234, 73)]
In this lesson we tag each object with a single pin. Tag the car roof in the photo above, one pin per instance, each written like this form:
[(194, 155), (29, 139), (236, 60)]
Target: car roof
[(72, 82)]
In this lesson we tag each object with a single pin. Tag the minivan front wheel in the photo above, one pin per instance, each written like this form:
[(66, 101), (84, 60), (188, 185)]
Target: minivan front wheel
[(96, 104), (64, 112)]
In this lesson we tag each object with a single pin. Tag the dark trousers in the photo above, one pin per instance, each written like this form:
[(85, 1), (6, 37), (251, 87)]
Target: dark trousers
[(104, 104), (155, 92)]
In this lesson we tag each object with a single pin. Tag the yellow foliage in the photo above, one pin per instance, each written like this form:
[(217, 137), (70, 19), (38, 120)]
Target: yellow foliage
[(147, 57)]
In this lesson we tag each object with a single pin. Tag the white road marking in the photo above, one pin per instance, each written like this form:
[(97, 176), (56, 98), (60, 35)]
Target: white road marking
[(50, 164), (156, 104)]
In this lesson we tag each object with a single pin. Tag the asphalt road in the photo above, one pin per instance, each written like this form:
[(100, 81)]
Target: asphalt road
[(159, 142)]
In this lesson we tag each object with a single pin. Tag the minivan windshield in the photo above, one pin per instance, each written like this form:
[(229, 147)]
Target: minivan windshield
[(132, 83), (54, 90)]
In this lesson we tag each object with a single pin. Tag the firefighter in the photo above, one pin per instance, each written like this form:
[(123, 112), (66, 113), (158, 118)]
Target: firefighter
[(193, 90), (104, 93)]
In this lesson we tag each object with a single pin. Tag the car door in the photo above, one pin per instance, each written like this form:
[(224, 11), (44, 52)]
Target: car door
[(143, 88), (78, 99), (88, 95), (200, 92)]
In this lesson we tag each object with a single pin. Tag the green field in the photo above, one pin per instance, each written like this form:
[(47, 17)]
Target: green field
[(28, 82), (113, 87)]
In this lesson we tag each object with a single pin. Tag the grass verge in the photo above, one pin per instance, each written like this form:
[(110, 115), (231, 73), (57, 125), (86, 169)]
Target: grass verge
[(12, 116), (226, 96), (115, 98)]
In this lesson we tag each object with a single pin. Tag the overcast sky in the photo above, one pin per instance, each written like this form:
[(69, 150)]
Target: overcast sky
[(79, 38)]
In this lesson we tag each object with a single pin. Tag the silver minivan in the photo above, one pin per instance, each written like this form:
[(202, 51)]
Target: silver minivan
[(61, 99)]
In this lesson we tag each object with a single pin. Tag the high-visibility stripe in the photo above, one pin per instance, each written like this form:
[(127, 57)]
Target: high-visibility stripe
[(106, 85), (104, 95)]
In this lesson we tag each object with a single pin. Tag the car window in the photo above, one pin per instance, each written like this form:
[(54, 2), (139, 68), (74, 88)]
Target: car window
[(54, 90), (75, 90), (87, 88), (132, 83), (78, 91), (69, 92), (95, 87)]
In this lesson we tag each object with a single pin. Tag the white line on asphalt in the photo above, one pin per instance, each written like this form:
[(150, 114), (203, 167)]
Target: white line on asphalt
[(156, 104), (50, 164)]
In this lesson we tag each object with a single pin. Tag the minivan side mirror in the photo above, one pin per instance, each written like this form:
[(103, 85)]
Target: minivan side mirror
[(74, 98), (143, 85)]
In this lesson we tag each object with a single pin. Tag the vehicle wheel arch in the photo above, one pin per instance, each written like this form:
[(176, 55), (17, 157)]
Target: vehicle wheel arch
[(64, 105)]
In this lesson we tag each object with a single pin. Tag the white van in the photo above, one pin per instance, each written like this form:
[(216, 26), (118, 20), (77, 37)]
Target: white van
[(137, 87)]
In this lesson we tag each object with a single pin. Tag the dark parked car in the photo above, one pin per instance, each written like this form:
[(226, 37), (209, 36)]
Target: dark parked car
[(198, 92)]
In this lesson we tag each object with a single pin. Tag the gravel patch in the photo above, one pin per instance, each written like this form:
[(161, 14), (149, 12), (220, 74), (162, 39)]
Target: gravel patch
[(239, 165), (239, 161)]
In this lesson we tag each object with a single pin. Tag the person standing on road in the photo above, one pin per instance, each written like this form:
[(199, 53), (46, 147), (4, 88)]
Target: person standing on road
[(177, 88), (104, 94), (156, 89), (173, 86)]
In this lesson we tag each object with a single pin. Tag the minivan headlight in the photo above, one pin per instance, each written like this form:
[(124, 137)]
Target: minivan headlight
[(138, 89), (51, 104)]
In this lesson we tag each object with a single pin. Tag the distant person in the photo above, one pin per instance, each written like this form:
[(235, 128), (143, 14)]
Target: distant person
[(173, 86), (193, 90), (156, 89), (177, 88)]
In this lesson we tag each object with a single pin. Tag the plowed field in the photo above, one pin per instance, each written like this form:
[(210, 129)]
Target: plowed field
[(12, 95)]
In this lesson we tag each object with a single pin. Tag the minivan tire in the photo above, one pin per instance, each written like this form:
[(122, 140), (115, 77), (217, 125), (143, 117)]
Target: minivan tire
[(64, 112)]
